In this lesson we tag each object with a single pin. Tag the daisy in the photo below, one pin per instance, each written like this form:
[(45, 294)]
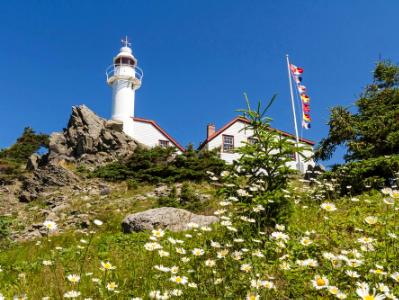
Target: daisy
[(47, 262), (72, 294), (197, 252), (252, 296), (305, 241), (363, 291), (320, 282), (210, 263), (158, 233), (278, 235), (280, 227), (151, 246), (162, 268), (333, 290), (180, 250), (163, 253), (176, 292), (174, 269), (395, 276), (389, 201), (246, 268), (352, 274), (328, 206), (111, 286), (73, 278), (179, 279), (371, 220), (50, 225), (378, 272), (223, 253), (106, 266)]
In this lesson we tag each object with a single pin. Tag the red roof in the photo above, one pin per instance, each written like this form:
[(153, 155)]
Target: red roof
[(153, 123), (244, 120)]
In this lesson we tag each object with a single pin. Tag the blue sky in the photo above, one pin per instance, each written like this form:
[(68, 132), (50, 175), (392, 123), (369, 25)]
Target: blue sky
[(198, 58)]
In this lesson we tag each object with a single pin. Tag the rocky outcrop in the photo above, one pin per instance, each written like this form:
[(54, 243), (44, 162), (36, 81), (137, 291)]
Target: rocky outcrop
[(47, 176), (89, 139), (170, 218)]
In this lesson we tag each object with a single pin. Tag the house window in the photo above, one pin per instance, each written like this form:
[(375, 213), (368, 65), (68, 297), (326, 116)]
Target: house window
[(251, 140), (163, 143), (228, 143)]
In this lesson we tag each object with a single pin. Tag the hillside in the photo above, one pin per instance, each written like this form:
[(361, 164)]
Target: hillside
[(354, 243)]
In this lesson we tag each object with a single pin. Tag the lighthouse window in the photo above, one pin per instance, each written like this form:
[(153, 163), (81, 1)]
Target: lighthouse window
[(124, 61)]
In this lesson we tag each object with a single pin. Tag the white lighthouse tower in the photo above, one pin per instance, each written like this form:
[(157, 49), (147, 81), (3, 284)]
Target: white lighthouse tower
[(125, 78)]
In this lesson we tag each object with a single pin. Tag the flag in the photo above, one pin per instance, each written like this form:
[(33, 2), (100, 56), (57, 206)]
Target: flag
[(296, 73)]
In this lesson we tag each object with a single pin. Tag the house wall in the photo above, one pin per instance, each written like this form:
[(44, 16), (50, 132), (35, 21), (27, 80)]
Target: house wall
[(146, 134), (240, 136)]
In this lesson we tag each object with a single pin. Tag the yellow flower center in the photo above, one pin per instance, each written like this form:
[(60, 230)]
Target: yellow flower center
[(369, 297), (178, 279), (320, 282), (252, 297)]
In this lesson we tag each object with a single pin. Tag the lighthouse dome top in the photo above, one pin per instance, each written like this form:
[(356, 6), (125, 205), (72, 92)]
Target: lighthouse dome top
[(125, 55)]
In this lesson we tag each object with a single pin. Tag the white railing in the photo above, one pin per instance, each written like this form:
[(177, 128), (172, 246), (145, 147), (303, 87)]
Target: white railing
[(111, 76)]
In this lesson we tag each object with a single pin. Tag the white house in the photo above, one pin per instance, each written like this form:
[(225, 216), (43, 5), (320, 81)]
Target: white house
[(125, 77), (234, 134)]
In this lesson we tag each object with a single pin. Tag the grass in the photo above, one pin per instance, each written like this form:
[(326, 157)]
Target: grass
[(279, 268)]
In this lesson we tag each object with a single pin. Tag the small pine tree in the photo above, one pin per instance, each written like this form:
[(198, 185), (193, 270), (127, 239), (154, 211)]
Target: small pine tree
[(27, 144)]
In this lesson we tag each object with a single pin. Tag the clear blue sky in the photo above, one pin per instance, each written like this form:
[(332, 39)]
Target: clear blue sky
[(198, 58)]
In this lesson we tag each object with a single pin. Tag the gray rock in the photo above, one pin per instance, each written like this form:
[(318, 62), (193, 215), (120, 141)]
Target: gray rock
[(26, 196), (105, 191), (33, 162), (170, 218), (162, 191), (90, 139), (114, 125)]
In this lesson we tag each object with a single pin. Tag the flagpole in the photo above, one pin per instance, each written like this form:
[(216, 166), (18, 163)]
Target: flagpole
[(297, 158)]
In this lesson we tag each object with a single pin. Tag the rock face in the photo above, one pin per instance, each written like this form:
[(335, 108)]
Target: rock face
[(46, 176), (174, 219), (90, 139)]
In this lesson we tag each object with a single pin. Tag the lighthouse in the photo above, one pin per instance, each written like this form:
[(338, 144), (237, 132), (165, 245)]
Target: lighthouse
[(124, 76)]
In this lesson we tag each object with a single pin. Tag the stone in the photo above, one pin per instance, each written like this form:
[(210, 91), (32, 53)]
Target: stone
[(114, 125), (174, 219), (33, 162), (105, 191), (25, 196), (90, 139)]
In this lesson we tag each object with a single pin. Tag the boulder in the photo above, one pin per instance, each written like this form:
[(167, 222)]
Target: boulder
[(90, 139), (170, 218)]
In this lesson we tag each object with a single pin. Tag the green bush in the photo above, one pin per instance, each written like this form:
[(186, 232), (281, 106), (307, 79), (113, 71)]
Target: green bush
[(158, 164), (188, 199), (9, 170), (132, 184), (373, 173), (5, 223), (27, 144), (171, 200)]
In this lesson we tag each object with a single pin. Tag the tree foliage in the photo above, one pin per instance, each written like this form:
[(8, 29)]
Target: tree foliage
[(27, 144), (373, 129), (163, 165), (263, 166)]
